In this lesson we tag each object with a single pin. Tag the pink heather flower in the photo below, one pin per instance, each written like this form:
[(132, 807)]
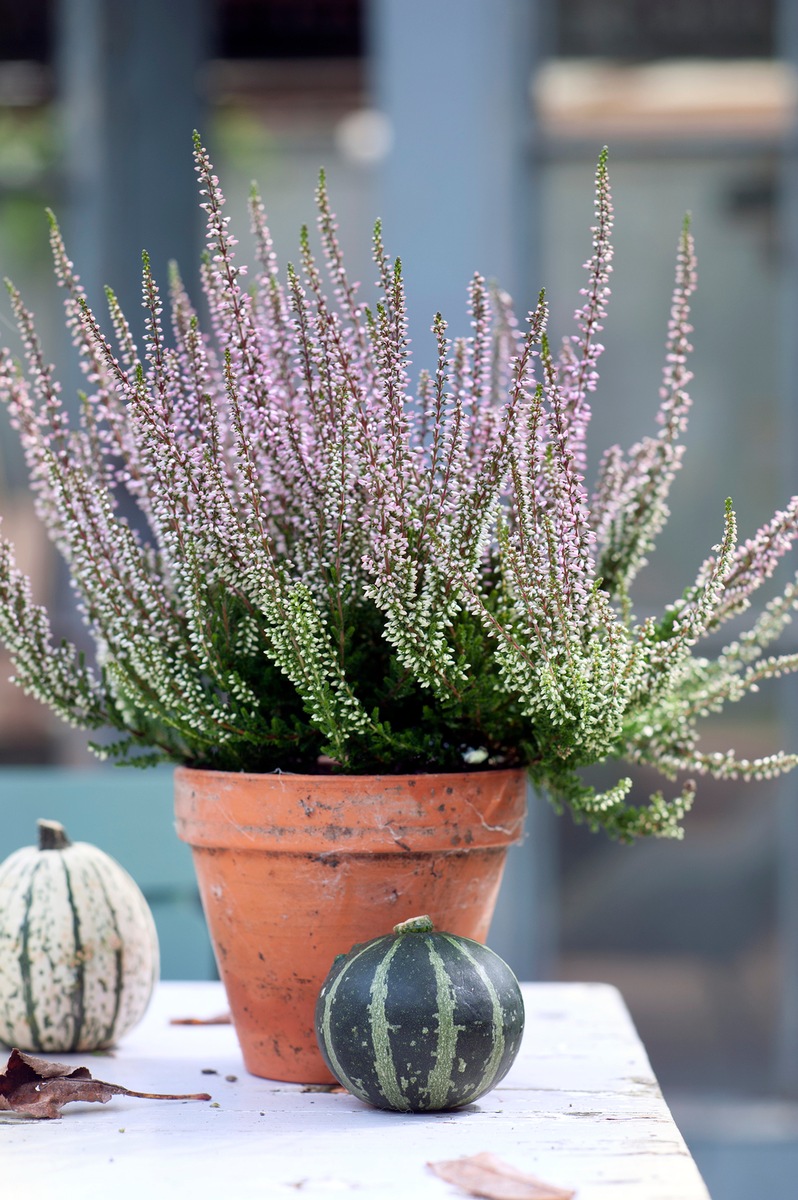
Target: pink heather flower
[(332, 557)]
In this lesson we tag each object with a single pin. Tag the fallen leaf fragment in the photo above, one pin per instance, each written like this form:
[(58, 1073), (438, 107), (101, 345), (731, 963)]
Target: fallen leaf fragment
[(488, 1176), (36, 1087), (220, 1019)]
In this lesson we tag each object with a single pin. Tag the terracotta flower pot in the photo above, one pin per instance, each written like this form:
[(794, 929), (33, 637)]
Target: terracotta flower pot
[(293, 869)]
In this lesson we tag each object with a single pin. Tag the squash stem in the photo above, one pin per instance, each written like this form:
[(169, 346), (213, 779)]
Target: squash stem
[(52, 835), (415, 925)]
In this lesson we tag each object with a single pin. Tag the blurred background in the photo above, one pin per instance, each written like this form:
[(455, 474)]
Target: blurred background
[(472, 127)]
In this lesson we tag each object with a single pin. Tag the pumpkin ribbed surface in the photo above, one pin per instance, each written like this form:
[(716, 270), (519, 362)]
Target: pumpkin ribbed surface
[(419, 1020), (78, 949)]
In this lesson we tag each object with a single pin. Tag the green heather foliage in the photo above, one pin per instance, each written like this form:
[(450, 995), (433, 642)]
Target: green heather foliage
[(344, 569)]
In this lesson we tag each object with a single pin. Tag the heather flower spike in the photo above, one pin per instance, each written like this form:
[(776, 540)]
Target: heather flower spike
[(347, 554)]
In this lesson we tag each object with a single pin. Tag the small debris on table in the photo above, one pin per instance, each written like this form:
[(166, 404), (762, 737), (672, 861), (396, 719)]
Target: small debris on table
[(36, 1087), (488, 1176)]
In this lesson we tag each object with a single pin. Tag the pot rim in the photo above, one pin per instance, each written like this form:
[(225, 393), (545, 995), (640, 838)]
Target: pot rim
[(357, 814)]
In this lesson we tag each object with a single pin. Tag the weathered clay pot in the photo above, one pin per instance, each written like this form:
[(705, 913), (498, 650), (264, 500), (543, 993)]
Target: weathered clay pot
[(294, 869)]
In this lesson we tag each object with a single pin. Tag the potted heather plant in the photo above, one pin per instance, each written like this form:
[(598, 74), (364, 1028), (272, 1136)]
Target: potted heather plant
[(362, 610)]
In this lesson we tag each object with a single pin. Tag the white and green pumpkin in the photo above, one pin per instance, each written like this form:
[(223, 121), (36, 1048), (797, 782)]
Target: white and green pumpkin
[(78, 947), (419, 1020)]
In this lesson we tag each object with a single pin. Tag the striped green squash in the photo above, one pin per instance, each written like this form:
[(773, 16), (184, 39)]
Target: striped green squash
[(78, 947), (419, 1020)]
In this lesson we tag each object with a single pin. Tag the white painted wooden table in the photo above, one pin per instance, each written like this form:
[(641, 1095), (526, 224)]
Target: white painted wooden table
[(580, 1108)]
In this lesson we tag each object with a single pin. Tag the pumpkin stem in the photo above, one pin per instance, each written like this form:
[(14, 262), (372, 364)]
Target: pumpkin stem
[(52, 835), (415, 925)]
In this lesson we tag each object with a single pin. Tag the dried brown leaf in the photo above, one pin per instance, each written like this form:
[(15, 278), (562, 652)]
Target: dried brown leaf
[(36, 1087), (220, 1019), (488, 1176)]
